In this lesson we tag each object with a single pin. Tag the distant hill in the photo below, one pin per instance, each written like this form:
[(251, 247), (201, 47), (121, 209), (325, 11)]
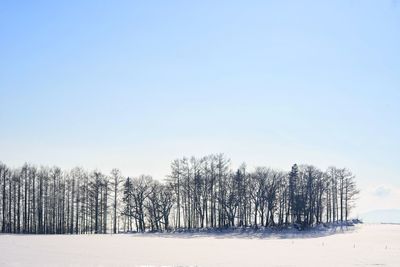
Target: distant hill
[(381, 216)]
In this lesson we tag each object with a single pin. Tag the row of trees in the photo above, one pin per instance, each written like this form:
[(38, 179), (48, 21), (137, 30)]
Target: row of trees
[(198, 193), (209, 194)]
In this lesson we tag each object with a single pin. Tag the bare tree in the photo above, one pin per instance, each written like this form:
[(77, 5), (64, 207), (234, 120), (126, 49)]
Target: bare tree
[(115, 183)]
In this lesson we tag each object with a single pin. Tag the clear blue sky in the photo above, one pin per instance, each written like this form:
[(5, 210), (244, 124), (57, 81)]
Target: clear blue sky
[(135, 84)]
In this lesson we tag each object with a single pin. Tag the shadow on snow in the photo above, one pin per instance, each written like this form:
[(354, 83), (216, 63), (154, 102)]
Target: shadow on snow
[(289, 232)]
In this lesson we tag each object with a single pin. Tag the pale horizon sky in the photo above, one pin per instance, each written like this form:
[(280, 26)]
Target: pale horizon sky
[(133, 85)]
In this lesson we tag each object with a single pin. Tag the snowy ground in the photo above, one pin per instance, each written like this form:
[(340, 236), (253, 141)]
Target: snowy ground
[(366, 245)]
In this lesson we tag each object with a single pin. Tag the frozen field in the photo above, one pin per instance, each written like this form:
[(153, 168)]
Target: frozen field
[(366, 245)]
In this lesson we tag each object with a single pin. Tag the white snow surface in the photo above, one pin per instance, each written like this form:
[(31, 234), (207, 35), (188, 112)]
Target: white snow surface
[(364, 245)]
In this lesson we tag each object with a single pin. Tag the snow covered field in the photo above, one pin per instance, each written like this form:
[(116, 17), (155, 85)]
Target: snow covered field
[(366, 245)]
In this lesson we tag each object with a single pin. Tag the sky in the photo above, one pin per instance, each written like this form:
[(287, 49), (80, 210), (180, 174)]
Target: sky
[(136, 84)]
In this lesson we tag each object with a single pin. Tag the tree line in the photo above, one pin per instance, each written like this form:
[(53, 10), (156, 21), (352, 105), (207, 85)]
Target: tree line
[(198, 193)]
